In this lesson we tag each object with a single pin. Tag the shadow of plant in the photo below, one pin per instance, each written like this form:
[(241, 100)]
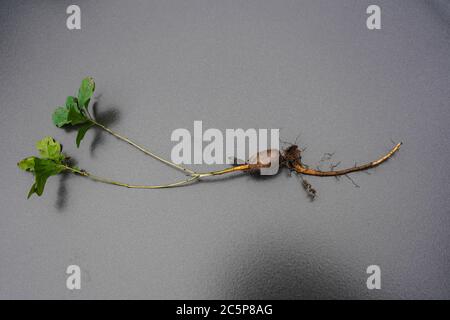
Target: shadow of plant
[(109, 116)]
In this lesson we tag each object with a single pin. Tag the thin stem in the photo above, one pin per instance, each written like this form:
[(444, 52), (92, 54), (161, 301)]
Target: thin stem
[(146, 151), (195, 177), (243, 167), (300, 168), (88, 114), (83, 173)]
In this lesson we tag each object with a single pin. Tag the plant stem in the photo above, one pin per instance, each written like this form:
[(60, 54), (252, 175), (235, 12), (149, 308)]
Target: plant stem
[(300, 168), (144, 150), (176, 166), (193, 178), (243, 167), (126, 185)]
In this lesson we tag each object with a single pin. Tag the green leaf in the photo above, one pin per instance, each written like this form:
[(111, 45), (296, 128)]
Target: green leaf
[(82, 131), (43, 169), (75, 116), (85, 92), (71, 102), (32, 190), (49, 148), (60, 117), (27, 164), (74, 111)]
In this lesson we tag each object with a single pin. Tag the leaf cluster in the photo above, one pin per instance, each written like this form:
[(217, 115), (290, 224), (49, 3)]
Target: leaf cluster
[(50, 163), (75, 111)]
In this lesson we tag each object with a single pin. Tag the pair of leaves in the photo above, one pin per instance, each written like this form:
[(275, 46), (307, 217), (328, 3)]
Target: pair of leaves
[(51, 160), (49, 163), (75, 110)]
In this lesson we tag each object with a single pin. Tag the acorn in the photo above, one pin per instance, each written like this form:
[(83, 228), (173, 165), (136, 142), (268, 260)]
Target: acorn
[(264, 159)]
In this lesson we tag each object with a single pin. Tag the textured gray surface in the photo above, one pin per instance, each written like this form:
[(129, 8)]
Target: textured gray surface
[(308, 67)]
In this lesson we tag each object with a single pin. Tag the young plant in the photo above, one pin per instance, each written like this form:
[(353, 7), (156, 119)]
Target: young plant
[(75, 113)]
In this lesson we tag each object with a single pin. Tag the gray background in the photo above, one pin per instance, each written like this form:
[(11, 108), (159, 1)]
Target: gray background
[(306, 67)]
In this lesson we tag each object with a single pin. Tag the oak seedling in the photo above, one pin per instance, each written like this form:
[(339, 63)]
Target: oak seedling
[(75, 113)]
